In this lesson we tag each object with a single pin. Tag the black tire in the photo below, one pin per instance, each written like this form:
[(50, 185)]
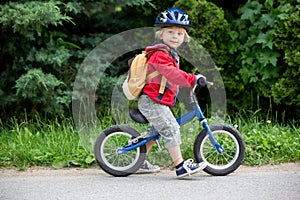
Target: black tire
[(227, 162), (105, 151)]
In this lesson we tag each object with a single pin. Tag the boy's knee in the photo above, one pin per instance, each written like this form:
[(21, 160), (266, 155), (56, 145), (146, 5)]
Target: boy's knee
[(172, 140)]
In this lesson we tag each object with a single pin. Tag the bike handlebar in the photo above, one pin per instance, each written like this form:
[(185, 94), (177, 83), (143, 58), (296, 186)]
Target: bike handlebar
[(203, 82)]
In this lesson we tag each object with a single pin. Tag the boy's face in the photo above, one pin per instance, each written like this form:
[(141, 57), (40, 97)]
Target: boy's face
[(173, 36)]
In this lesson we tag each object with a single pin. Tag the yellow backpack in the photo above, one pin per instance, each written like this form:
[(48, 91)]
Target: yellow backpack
[(137, 76)]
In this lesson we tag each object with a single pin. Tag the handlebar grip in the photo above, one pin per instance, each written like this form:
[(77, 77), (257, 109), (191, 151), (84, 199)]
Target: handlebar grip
[(201, 81)]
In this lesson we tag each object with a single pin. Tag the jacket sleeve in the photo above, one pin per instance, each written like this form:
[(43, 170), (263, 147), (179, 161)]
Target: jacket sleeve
[(164, 64)]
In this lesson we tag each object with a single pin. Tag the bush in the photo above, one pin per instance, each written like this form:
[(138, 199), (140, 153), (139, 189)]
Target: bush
[(31, 54), (209, 27), (287, 40), (264, 47), (43, 92), (33, 16), (253, 44)]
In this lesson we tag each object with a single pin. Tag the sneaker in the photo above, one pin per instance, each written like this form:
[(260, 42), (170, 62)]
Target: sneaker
[(189, 168), (148, 168)]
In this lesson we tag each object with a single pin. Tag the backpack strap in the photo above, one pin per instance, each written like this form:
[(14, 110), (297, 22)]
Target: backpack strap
[(152, 75), (158, 49), (163, 82), (162, 85)]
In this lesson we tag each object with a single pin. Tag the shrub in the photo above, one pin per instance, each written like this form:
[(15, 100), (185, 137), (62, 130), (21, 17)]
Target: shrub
[(44, 92), (287, 40)]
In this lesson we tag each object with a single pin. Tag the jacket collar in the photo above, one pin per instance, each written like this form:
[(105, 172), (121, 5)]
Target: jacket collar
[(172, 51)]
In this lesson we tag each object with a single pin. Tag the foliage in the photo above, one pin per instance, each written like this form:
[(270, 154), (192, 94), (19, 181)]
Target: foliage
[(38, 143), (32, 57), (55, 143), (268, 142), (31, 16), (44, 43), (253, 38), (256, 60), (209, 27), (43, 91), (41, 37), (256, 49), (287, 40)]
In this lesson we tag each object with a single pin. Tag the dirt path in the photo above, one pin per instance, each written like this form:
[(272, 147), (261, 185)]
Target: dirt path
[(41, 171)]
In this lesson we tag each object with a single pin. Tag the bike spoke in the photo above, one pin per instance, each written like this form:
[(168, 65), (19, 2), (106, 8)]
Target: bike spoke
[(211, 155)]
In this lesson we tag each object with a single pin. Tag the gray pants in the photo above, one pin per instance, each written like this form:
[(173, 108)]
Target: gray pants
[(162, 119)]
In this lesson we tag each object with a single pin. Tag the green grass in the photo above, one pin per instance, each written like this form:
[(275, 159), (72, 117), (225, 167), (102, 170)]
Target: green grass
[(37, 143), (56, 143), (268, 142)]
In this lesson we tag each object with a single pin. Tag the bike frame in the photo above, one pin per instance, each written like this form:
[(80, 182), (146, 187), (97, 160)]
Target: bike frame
[(189, 116)]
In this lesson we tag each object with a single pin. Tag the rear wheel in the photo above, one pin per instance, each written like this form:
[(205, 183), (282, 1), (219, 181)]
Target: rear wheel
[(106, 148), (228, 161)]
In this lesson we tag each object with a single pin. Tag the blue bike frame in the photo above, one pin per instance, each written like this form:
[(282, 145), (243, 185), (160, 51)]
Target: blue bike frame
[(195, 112)]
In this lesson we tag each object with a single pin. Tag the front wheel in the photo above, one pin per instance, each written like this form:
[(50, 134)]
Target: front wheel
[(106, 151), (220, 164)]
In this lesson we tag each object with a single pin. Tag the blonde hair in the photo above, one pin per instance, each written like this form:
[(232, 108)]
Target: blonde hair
[(159, 33)]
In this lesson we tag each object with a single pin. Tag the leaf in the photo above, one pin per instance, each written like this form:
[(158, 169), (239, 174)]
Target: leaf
[(265, 143), (62, 42), (233, 35), (75, 162), (278, 144), (270, 73), (267, 56), (265, 39), (269, 3), (262, 38), (268, 19), (285, 8), (249, 10), (246, 74), (60, 164), (248, 14), (89, 159)]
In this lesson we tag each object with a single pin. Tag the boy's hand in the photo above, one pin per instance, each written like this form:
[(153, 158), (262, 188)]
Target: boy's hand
[(201, 80)]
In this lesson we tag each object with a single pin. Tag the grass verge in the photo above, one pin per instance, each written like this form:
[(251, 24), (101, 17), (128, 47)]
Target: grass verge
[(57, 143)]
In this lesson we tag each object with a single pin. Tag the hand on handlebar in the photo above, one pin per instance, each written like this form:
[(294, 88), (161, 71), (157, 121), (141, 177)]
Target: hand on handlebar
[(201, 80)]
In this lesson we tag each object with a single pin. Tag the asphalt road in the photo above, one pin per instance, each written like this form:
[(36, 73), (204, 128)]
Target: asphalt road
[(272, 182)]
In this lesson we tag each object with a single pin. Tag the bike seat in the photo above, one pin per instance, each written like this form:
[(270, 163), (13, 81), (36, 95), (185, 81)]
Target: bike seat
[(137, 116)]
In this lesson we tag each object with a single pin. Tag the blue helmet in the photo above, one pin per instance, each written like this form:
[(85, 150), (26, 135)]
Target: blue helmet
[(173, 17)]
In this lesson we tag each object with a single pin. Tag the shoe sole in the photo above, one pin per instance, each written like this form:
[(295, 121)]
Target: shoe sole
[(195, 171), (187, 174)]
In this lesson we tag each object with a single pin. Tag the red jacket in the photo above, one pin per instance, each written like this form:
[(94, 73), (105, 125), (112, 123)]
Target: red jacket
[(166, 65)]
